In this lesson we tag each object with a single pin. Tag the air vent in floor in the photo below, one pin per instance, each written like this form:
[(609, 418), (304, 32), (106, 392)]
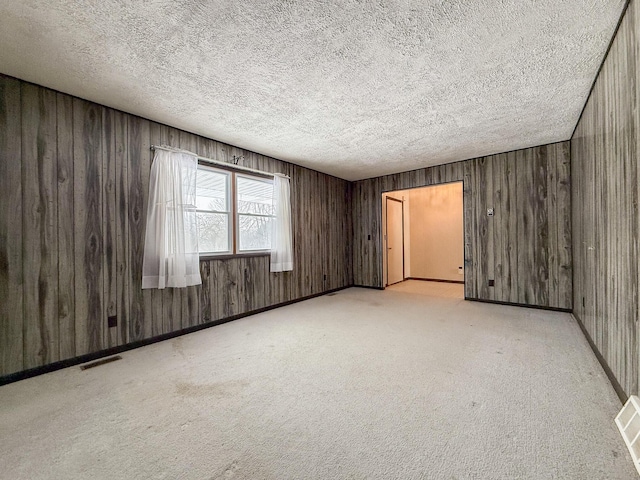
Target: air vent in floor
[(628, 422), (97, 363)]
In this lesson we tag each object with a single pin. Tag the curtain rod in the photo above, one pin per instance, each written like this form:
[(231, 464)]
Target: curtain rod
[(218, 162)]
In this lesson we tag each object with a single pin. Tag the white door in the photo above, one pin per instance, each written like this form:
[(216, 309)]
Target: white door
[(395, 242)]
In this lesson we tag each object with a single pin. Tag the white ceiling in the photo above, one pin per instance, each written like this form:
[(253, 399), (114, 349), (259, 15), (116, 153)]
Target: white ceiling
[(348, 87)]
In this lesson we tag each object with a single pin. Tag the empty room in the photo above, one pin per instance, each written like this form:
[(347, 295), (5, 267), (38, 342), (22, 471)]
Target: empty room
[(319, 240)]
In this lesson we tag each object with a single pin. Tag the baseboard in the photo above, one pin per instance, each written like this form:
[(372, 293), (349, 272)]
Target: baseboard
[(435, 280), (605, 366), (368, 286), (52, 367), (537, 307)]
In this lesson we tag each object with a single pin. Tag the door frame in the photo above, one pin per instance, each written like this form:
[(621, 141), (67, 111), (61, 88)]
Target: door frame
[(386, 238), (383, 260)]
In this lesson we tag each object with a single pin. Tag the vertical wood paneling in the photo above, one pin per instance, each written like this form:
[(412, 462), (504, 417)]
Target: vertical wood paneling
[(123, 283), (154, 299), (512, 247), (542, 158), (66, 242), (510, 232), (469, 219), (11, 212), (86, 174), (87, 178), (525, 199), (553, 268), (604, 187), (140, 314), (564, 263), (498, 230), (113, 144), (39, 226), (190, 297)]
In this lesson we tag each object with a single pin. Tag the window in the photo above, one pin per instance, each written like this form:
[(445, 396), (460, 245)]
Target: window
[(213, 208), (254, 199), (235, 212)]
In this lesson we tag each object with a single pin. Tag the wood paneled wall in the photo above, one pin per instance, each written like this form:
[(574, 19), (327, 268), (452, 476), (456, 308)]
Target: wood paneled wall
[(74, 179), (525, 247), (605, 149)]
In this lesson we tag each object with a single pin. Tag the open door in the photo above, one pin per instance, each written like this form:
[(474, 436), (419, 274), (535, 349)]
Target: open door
[(395, 241)]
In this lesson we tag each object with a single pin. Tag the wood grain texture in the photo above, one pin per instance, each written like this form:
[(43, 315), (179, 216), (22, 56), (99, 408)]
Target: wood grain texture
[(139, 167), (512, 247), (88, 244), (605, 149), (66, 243), (11, 293), (39, 226), (95, 191), (190, 300), (121, 247), (154, 299)]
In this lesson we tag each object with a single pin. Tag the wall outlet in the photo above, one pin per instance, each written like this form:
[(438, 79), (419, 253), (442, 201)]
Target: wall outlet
[(112, 321), (460, 271), (492, 283), (490, 212)]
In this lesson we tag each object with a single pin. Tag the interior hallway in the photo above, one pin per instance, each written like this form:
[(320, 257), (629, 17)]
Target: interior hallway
[(358, 384)]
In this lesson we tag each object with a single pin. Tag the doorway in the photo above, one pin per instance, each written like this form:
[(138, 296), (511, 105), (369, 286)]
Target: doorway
[(427, 224), (395, 240)]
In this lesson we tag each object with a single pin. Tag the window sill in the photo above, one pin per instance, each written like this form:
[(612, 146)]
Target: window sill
[(234, 255)]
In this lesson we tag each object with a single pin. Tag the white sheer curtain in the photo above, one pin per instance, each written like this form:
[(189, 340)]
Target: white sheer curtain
[(171, 238), (281, 237)]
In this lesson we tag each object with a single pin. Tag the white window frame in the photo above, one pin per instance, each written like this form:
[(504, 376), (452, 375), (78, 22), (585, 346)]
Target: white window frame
[(229, 213), (238, 214), (233, 213)]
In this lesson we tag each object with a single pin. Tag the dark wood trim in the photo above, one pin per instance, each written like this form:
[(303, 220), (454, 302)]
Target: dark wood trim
[(435, 280), (603, 363), (368, 286), (513, 304), (97, 363), (52, 367), (604, 59)]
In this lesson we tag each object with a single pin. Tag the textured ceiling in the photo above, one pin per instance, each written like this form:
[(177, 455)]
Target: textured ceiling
[(349, 87)]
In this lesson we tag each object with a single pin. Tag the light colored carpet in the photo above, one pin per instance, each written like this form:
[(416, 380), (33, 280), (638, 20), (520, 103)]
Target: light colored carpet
[(362, 384), (431, 289)]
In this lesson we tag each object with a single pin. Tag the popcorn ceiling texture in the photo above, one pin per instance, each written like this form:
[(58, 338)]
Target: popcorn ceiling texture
[(352, 88)]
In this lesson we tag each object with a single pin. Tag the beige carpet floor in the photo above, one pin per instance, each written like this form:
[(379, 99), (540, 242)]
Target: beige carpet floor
[(362, 384)]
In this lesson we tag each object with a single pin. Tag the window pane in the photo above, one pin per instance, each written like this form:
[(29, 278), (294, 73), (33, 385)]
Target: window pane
[(213, 232), (211, 190), (254, 232), (255, 196)]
